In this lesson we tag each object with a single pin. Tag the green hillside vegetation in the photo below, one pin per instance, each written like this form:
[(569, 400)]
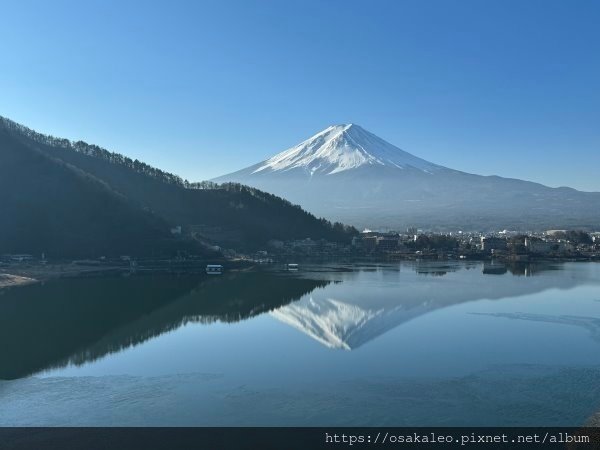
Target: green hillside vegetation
[(74, 199)]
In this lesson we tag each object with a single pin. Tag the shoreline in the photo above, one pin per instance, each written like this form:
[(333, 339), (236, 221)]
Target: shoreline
[(23, 275), (27, 274), (8, 280), (14, 276)]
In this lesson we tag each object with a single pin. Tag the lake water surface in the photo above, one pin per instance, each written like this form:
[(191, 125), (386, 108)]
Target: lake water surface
[(407, 344)]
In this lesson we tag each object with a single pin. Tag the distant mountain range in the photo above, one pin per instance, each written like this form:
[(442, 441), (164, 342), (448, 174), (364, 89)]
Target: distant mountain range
[(73, 199), (348, 174)]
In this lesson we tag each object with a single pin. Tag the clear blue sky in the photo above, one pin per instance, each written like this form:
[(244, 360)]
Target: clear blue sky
[(204, 88)]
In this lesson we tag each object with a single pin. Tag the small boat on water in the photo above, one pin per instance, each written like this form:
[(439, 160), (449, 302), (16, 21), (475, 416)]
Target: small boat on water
[(292, 267), (214, 269)]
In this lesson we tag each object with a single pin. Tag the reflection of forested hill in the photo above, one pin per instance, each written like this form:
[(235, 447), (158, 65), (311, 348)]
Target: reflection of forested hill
[(79, 320)]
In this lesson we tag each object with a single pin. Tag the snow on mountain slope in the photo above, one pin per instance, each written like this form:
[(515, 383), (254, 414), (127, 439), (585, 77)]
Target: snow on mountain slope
[(346, 174), (339, 148)]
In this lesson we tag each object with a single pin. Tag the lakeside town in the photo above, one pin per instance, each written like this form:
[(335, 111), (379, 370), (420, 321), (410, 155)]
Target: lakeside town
[(412, 244), (508, 245), (417, 244)]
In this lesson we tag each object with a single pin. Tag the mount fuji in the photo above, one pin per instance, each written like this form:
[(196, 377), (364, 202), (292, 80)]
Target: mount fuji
[(339, 148), (348, 174)]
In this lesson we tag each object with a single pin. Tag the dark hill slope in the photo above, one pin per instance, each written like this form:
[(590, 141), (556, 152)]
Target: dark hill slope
[(50, 207), (229, 215)]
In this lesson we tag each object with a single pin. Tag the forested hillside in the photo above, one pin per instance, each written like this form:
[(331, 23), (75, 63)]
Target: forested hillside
[(48, 206), (67, 198)]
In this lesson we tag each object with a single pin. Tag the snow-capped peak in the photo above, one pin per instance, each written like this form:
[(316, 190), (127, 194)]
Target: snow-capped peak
[(339, 148)]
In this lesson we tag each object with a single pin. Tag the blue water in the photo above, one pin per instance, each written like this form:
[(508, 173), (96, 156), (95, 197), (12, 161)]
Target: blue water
[(397, 344)]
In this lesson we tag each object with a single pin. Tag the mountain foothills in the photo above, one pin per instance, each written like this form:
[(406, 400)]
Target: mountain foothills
[(72, 199), (353, 176)]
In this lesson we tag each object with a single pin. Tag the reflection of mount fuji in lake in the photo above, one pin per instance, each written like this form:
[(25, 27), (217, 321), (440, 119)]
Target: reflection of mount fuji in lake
[(74, 321), (348, 315)]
